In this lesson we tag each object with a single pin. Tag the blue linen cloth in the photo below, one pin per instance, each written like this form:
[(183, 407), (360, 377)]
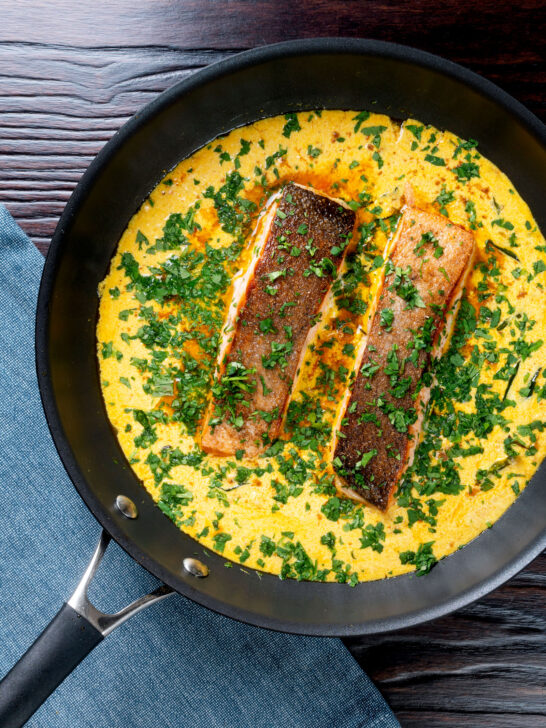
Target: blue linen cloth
[(173, 665)]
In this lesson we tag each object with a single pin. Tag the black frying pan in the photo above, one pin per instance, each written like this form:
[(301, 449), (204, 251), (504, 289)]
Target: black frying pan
[(336, 74)]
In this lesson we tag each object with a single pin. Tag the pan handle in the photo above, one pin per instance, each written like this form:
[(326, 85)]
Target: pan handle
[(71, 635)]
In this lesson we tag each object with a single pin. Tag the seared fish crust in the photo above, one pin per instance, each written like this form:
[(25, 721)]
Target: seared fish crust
[(414, 306), (300, 243)]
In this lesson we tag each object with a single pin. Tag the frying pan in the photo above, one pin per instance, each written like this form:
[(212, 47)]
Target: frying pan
[(293, 76)]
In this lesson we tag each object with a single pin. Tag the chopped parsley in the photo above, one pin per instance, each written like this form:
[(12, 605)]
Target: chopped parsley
[(423, 559), (292, 125)]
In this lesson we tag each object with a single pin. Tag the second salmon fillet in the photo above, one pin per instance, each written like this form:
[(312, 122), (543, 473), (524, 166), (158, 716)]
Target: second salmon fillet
[(414, 308), (300, 243)]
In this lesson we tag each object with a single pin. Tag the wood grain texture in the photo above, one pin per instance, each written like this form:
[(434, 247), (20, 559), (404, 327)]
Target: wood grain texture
[(472, 28), (71, 73)]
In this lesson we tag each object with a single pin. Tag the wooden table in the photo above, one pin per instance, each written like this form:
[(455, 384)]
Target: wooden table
[(71, 73)]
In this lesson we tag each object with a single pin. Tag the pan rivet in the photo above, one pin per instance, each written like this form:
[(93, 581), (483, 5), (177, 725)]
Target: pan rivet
[(126, 506), (195, 567)]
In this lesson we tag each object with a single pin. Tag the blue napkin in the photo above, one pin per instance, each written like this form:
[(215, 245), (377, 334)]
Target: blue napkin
[(176, 664)]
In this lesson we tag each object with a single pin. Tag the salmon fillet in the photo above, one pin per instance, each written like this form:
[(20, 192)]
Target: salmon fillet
[(299, 244), (412, 316)]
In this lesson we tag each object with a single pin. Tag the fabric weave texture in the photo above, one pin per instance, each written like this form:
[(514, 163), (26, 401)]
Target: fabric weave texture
[(175, 665)]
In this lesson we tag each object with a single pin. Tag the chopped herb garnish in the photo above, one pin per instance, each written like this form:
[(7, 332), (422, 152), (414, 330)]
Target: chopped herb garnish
[(436, 161), (292, 125), (423, 559)]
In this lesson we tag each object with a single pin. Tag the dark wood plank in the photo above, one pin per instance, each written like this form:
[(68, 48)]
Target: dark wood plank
[(72, 73), (464, 29), (431, 719)]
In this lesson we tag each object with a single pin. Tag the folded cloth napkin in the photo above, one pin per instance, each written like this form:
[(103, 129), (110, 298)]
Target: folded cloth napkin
[(175, 664)]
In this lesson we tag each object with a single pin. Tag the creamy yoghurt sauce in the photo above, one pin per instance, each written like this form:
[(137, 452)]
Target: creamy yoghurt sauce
[(165, 299)]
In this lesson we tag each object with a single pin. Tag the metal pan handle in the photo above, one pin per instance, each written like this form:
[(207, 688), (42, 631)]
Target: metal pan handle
[(71, 635)]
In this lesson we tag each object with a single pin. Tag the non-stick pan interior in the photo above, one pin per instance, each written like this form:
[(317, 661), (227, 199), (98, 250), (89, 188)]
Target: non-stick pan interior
[(300, 75)]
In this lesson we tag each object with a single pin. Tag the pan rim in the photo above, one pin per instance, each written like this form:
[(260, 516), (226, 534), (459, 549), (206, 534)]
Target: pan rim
[(198, 79)]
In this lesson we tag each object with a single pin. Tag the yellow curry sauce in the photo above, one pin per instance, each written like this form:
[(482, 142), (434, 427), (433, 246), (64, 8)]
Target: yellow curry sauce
[(164, 301)]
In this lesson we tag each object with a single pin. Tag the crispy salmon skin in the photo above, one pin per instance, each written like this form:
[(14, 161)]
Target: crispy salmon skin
[(414, 306), (300, 243)]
